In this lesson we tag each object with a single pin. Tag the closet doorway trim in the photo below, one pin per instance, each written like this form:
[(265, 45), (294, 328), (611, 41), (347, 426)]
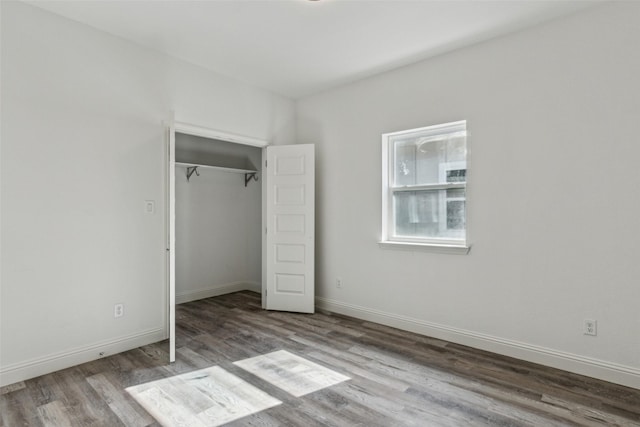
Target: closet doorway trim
[(194, 130), (174, 127)]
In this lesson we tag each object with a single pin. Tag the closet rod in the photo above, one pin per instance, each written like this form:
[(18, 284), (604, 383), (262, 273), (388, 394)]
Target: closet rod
[(192, 168)]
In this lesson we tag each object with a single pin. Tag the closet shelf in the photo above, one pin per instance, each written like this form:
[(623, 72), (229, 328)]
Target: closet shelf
[(220, 168), (249, 174)]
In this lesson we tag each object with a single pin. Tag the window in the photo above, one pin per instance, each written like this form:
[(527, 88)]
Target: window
[(424, 186)]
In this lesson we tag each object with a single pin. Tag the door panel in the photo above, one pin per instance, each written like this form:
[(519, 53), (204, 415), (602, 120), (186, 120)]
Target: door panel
[(290, 213), (289, 253), (290, 195)]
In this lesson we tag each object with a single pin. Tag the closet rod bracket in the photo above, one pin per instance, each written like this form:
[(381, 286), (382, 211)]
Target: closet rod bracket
[(249, 176), (191, 170)]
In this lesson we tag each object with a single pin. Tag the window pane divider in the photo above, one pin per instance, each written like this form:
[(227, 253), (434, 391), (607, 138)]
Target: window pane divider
[(447, 186)]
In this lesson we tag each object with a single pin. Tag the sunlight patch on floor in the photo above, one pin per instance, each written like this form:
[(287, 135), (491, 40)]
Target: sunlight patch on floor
[(205, 398), (291, 373)]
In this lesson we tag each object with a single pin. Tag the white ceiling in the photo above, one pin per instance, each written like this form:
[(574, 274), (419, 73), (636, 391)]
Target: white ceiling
[(299, 47)]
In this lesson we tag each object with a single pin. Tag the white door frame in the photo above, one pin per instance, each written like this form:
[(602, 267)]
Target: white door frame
[(170, 238), (174, 127)]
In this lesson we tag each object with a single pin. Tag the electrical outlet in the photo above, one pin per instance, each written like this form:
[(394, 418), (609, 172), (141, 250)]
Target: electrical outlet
[(590, 327), (339, 283), (118, 310)]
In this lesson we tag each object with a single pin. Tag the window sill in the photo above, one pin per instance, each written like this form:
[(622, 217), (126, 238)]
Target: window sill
[(426, 247)]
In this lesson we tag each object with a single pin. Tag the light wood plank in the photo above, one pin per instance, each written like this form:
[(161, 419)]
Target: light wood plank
[(118, 403), (12, 387), (54, 414)]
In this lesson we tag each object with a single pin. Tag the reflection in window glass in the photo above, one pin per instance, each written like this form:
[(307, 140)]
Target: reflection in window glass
[(456, 217), (434, 213), (418, 159)]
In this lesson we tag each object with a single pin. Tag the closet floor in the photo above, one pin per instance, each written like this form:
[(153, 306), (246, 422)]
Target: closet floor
[(238, 365)]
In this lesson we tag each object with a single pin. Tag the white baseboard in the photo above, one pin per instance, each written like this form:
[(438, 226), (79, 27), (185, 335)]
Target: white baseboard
[(607, 371), (54, 362), (215, 290)]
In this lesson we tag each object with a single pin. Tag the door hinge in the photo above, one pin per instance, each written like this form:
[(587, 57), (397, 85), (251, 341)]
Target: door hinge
[(265, 163)]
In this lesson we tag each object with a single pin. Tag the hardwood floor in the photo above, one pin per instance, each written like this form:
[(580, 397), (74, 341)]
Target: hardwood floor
[(396, 378)]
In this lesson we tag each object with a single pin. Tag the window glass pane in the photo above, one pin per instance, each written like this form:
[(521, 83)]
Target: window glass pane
[(430, 214), (429, 159)]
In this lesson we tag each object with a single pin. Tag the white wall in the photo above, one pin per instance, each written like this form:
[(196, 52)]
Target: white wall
[(218, 220), (82, 149), (553, 195)]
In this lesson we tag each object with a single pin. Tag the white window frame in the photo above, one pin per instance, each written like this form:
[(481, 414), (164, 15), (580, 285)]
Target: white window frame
[(388, 240)]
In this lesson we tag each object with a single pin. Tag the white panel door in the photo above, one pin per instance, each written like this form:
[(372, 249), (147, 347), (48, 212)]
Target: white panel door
[(171, 239), (290, 228)]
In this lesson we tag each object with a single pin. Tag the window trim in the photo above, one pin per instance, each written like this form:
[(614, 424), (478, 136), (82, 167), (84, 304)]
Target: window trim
[(424, 247), (441, 245)]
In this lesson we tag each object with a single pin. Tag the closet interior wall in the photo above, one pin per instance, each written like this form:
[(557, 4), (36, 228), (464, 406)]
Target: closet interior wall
[(218, 219)]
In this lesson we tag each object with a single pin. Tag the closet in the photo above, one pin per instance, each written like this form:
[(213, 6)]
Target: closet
[(240, 215), (218, 217)]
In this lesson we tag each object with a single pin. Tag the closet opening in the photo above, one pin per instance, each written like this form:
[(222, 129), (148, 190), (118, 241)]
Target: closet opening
[(218, 217)]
